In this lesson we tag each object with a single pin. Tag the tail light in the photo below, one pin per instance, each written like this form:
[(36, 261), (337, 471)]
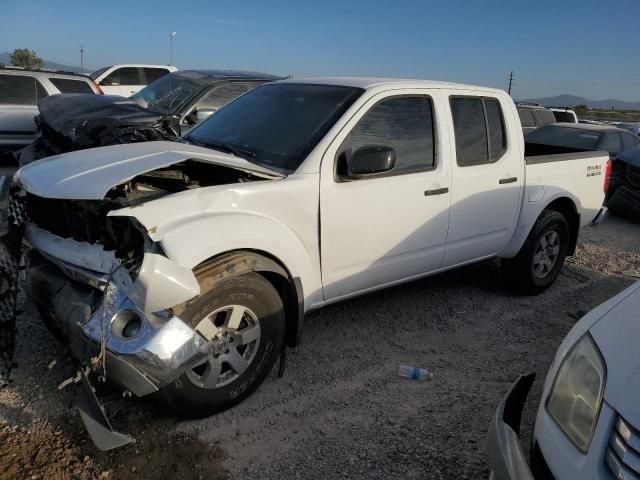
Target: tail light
[(99, 89), (607, 175)]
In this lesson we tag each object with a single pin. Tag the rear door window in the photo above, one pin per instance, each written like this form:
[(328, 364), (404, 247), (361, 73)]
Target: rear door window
[(20, 90), (153, 74), (479, 128), (526, 118), (67, 85), (472, 143), (130, 76)]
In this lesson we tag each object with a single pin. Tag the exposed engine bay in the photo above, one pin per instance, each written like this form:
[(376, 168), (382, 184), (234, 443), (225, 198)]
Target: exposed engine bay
[(87, 220)]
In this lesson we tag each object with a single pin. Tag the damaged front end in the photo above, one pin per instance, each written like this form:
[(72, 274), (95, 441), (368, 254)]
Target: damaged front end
[(99, 281), (111, 317)]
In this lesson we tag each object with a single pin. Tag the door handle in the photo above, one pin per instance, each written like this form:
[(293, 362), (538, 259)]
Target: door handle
[(502, 181), (437, 191)]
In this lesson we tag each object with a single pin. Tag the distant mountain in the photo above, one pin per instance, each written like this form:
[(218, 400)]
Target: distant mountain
[(571, 101), (5, 57)]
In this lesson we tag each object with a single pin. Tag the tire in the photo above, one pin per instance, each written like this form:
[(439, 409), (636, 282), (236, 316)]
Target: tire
[(251, 302), (535, 268)]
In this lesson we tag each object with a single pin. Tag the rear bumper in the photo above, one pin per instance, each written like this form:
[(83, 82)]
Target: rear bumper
[(600, 216), (506, 458)]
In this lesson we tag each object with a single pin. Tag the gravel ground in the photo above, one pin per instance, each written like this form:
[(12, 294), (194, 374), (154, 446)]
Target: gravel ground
[(340, 411)]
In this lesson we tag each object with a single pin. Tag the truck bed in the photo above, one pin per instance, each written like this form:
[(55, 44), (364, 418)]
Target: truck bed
[(541, 153)]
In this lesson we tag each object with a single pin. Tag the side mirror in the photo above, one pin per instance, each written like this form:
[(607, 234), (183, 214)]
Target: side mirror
[(204, 113), (371, 160)]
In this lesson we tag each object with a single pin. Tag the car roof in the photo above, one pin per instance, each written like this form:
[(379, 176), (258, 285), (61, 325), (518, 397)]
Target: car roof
[(371, 82), (40, 73), (232, 74), (586, 126)]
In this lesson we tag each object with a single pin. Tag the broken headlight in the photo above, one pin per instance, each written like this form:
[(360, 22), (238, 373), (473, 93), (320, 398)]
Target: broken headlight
[(575, 398)]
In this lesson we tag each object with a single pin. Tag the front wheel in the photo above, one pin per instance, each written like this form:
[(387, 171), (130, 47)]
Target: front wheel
[(539, 261), (243, 318)]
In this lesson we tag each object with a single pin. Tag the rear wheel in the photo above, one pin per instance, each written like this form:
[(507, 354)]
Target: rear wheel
[(539, 261), (243, 318)]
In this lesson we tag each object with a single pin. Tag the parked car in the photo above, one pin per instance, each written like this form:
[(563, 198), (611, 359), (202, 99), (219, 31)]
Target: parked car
[(564, 115), (534, 116), (193, 263), (164, 110), (590, 122), (623, 194), (127, 79), (20, 92), (633, 127), (588, 422), (576, 136), (624, 197)]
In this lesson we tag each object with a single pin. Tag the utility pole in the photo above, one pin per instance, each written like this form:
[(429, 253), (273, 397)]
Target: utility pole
[(81, 59), (173, 34), (510, 82)]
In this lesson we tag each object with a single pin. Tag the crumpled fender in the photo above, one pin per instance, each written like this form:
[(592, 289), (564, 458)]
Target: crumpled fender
[(196, 238), (161, 284)]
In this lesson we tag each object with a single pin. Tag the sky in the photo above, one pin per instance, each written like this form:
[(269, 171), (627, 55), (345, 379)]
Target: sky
[(589, 48)]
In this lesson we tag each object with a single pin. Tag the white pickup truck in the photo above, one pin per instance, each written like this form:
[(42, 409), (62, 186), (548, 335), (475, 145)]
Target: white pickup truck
[(186, 268)]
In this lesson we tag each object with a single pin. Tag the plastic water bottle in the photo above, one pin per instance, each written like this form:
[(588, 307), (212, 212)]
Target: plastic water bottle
[(414, 373)]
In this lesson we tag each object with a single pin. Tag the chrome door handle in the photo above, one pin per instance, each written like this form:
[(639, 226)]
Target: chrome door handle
[(502, 181), (437, 191)]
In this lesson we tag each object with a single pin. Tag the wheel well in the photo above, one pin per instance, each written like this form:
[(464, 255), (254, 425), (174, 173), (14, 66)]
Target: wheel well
[(239, 262), (566, 207)]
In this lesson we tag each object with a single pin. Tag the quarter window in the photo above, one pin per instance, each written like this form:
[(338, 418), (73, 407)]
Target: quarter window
[(66, 85), (404, 124), (20, 90), (479, 129), (153, 74)]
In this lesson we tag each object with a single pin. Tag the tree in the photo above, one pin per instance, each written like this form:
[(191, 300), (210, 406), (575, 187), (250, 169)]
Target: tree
[(25, 58), (581, 109)]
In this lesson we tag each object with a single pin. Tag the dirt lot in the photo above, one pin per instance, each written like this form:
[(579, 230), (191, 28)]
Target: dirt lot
[(341, 411)]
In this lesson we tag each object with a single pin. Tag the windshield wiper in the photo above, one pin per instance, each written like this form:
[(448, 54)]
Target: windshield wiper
[(225, 147)]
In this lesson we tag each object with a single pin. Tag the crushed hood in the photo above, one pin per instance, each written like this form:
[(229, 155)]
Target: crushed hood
[(90, 174), (84, 118)]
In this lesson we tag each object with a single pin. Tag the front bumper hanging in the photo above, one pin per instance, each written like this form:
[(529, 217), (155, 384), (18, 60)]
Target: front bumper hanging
[(507, 461)]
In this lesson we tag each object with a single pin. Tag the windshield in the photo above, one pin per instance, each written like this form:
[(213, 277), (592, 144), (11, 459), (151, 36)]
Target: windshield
[(276, 125), (166, 94), (97, 73), (565, 137)]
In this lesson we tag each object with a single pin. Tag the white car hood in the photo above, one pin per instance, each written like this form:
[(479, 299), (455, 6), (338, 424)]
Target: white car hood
[(90, 174), (617, 335)]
